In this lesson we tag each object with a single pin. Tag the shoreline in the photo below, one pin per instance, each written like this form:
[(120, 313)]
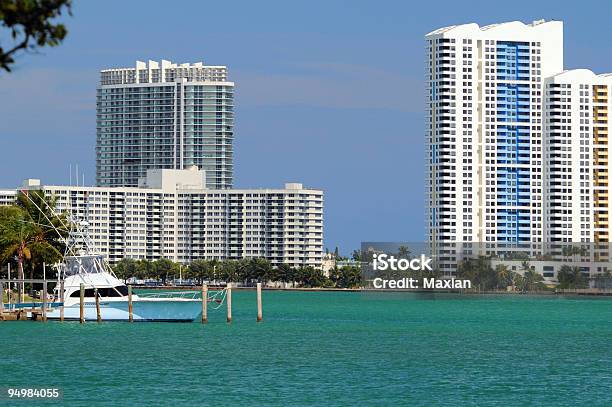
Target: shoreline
[(563, 292)]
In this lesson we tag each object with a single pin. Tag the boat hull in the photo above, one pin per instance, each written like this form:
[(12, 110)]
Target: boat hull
[(161, 311)]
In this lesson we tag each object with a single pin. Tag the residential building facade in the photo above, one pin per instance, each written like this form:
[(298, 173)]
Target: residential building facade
[(485, 132), (577, 147), (164, 116), (517, 148), (173, 215)]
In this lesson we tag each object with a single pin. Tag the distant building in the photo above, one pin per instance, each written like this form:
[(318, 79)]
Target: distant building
[(576, 150), (173, 215), (328, 263), (164, 116)]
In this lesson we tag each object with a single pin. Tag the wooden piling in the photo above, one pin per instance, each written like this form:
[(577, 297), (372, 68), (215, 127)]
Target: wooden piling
[(62, 297), (229, 302), (10, 291), (204, 303), (130, 306), (82, 304), (2, 299), (98, 314), (44, 302), (259, 309)]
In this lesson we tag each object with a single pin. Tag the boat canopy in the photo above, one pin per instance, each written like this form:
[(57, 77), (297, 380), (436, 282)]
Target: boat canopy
[(86, 264)]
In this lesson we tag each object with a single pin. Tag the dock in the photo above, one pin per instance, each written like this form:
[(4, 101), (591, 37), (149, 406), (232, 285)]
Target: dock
[(22, 311)]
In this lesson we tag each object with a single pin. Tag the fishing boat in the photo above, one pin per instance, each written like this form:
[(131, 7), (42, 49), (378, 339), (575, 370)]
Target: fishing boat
[(83, 266), (98, 279)]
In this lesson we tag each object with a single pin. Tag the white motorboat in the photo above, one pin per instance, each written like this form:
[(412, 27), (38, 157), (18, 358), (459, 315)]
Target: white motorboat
[(82, 265), (98, 279)]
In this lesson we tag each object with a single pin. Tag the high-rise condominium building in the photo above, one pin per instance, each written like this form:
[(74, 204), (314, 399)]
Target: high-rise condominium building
[(577, 109), (517, 147), (485, 90), (164, 116), (173, 215)]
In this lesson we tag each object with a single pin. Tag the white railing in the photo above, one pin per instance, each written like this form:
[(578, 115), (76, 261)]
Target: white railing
[(171, 294)]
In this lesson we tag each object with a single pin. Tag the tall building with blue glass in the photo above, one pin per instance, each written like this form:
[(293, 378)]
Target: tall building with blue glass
[(162, 115), (484, 134)]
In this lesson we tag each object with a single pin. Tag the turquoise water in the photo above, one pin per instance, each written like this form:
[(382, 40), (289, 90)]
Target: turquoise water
[(326, 348)]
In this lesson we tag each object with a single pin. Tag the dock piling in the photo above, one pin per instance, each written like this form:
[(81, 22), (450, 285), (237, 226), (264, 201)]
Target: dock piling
[(259, 308), (82, 304), (44, 302), (130, 305), (2, 298), (62, 300), (98, 314), (9, 285), (229, 302), (204, 303)]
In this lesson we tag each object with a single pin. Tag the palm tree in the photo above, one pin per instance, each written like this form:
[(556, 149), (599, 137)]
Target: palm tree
[(21, 237), (504, 275), (53, 226), (286, 274), (533, 280), (403, 252)]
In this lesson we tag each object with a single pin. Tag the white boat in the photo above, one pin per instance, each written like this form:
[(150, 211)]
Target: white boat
[(82, 265), (97, 278)]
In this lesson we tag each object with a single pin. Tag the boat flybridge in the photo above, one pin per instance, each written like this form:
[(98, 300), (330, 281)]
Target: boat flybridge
[(97, 277)]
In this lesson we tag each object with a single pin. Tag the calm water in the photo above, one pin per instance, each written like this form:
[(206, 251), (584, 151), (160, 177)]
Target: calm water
[(330, 349)]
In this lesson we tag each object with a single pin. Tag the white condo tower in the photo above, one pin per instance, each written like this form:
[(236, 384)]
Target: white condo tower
[(484, 112)]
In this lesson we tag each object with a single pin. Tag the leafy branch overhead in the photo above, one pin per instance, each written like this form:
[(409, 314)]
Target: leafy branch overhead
[(31, 25)]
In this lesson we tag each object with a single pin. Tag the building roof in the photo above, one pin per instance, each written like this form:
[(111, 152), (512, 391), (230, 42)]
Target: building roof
[(511, 28)]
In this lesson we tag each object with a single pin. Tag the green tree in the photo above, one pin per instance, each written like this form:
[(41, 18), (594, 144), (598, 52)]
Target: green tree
[(126, 268), (478, 271), (533, 280), (403, 252), (259, 270), (30, 25), (504, 275), (162, 268), (229, 271), (312, 277), (349, 277), (571, 277), (286, 274), (144, 270), (53, 227), (201, 270), (22, 238)]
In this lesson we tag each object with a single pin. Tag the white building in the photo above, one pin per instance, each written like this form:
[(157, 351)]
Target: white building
[(164, 115), (577, 147), (485, 132), (173, 215), (517, 148)]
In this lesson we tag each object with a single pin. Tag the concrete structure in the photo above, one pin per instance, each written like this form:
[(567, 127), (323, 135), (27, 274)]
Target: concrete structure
[(328, 263), (549, 269), (164, 115), (577, 167), (173, 215), (485, 135), (517, 148)]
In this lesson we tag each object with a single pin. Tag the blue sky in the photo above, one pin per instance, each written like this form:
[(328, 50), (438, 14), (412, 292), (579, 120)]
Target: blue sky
[(328, 93)]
